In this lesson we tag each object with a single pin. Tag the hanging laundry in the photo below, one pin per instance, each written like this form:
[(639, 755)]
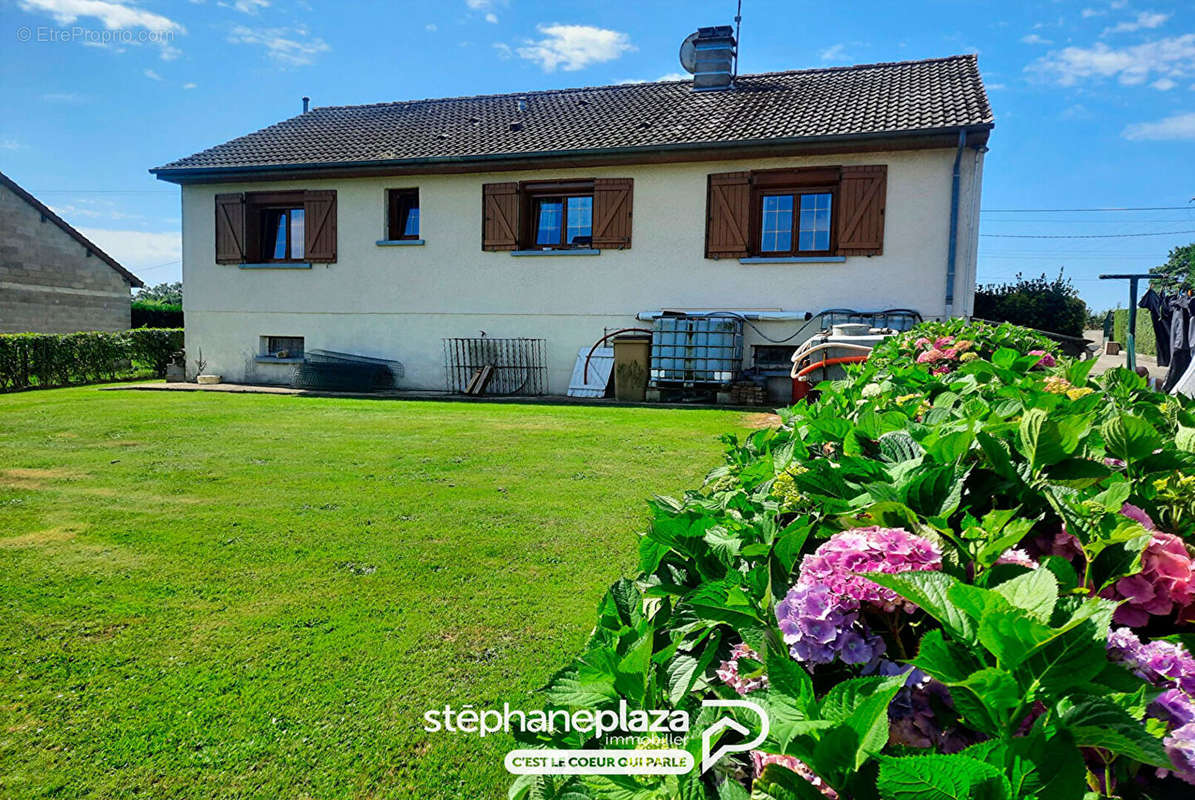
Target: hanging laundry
[(1182, 338), (1158, 307)]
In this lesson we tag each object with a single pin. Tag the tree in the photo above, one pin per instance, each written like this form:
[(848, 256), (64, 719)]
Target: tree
[(168, 293), (1047, 305), (1178, 273)]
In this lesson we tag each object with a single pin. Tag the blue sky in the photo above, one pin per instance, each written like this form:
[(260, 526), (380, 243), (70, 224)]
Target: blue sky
[(1094, 100)]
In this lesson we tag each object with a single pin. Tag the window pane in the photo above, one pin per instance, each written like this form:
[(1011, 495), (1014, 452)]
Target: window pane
[(580, 220), (276, 221), (411, 227), (815, 222), (777, 224), (547, 227), (296, 233)]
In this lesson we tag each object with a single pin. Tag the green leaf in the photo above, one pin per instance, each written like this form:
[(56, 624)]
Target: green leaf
[(1035, 591), (1098, 722), (732, 790), (986, 698), (946, 660), (1129, 438), (928, 590), (940, 777)]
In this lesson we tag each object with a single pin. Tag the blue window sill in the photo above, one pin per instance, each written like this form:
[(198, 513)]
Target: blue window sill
[(273, 360), (794, 260), (278, 265), (399, 242), (562, 252)]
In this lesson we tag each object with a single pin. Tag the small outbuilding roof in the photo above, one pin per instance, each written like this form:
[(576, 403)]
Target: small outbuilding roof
[(889, 100)]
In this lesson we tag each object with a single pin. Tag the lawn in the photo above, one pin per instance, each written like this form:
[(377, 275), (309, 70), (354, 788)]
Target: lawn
[(211, 595)]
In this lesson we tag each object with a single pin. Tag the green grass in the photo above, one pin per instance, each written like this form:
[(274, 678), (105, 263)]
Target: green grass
[(211, 595)]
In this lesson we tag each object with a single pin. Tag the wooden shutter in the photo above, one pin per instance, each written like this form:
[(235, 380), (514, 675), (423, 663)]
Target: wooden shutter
[(500, 216), (319, 228), (230, 229), (861, 196), (728, 215), (612, 212)]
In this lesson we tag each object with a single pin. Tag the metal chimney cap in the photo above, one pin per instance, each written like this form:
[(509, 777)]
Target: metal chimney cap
[(306, 104)]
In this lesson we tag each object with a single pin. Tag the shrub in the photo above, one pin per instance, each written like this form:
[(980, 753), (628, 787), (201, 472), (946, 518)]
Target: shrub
[(1145, 341), (971, 584), (156, 314), (1034, 303), (46, 359)]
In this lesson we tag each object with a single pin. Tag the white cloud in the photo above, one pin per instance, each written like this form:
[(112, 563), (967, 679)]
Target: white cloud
[(153, 76), (675, 76), (67, 98), (1164, 84), (1033, 38), (491, 18), (574, 47), (113, 16), (1179, 126), (479, 5), (834, 52), (1146, 20), (92, 209), (288, 47), (431, 26), (136, 249), (995, 87), (1088, 13), (247, 6), (190, 85), (9, 143), (1172, 57)]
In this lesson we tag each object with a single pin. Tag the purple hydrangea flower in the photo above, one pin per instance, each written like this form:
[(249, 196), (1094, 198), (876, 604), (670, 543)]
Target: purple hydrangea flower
[(819, 627), (760, 759), (1173, 706), (728, 672), (1180, 746), (1164, 664)]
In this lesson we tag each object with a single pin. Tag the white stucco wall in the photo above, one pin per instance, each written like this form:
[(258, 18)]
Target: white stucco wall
[(399, 302)]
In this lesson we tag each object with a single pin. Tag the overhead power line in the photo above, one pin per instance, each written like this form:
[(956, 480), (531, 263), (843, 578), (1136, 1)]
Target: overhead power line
[(1080, 236), (1056, 210)]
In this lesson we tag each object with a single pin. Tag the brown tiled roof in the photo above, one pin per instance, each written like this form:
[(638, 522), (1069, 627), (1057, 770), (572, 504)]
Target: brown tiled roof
[(842, 102), (69, 230)]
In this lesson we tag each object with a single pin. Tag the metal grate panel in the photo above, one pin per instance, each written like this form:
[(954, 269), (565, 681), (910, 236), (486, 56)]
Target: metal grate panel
[(519, 365), (693, 350)]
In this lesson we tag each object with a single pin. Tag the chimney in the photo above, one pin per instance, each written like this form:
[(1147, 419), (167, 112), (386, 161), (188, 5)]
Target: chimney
[(715, 58), (306, 104)]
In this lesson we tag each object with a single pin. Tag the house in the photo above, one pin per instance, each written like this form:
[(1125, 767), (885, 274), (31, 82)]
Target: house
[(386, 229), (53, 279)]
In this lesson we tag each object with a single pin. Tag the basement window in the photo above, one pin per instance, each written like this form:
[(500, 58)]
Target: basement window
[(282, 348)]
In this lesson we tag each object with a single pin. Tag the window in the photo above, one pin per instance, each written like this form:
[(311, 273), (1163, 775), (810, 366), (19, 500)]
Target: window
[(583, 217), (282, 346), (563, 221), (795, 223), (403, 218), (282, 233), (289, 229), (798, 214)]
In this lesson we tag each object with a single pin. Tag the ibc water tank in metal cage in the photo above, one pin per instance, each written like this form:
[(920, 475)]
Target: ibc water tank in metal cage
[(692, 350)]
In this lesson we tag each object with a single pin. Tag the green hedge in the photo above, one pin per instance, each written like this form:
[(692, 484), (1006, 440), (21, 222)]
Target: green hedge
[(157, 314), (1146, 341), (52, 359)]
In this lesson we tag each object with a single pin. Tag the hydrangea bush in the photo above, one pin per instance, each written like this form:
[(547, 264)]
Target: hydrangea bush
[(970, 582)]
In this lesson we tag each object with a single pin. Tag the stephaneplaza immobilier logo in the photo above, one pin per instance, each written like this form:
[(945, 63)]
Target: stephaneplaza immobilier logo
[(622, 726)]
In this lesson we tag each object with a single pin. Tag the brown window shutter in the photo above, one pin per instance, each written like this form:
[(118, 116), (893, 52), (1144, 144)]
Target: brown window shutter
[(230, 229), (319, 226), (500, 216), (861, 196), (612, 212), (728, 215)]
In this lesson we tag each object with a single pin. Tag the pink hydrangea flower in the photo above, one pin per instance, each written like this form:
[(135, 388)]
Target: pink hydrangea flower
[(728, 672), (1046, 359), (840, 563), (1166, 582), (930, 356), (760, 759), (921, 343), (942, 342), (941, 369), (1137, 514)]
